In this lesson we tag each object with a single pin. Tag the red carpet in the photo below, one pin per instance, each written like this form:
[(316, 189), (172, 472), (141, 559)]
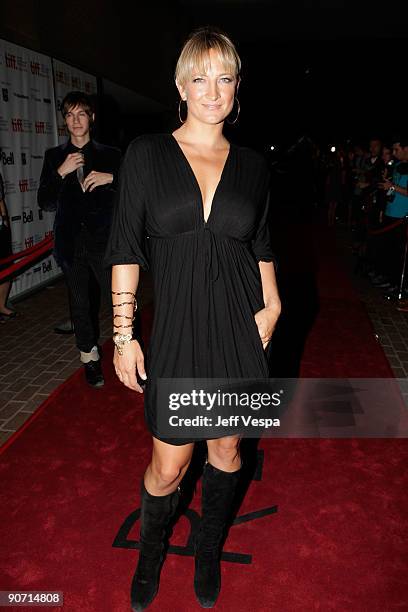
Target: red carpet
[(338, 538)]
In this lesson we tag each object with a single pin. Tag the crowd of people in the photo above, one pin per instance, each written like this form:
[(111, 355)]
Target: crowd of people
[(367, 189)]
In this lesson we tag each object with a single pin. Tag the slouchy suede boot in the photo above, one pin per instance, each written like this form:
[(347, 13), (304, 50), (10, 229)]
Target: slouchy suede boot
[(156, 514), (218, 492)]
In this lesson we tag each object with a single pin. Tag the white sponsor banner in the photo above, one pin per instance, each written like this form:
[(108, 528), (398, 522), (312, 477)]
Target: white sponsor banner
[(67, 78), (27, 128)]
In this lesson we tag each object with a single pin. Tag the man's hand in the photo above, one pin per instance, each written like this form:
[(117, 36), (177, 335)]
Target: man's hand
[(386, 184), (72, 162), (126, 364), (96, 179), (266, 320)]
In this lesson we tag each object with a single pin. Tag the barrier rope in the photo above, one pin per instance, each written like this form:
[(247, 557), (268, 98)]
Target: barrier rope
[(389, 227), (27, 258), (27, 251)]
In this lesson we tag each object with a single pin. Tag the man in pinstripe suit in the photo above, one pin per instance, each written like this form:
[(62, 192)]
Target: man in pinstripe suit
[(78, 181)]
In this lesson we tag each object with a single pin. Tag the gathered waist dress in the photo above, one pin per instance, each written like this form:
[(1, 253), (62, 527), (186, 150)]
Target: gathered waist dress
[(206, 279)]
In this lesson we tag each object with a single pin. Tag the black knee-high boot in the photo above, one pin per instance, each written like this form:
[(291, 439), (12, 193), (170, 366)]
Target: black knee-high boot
[(156, 514), (218, 491)]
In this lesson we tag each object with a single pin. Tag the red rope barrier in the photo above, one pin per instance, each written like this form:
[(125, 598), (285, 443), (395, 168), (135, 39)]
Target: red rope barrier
[(387, 228), (26, 252), (47, 246)]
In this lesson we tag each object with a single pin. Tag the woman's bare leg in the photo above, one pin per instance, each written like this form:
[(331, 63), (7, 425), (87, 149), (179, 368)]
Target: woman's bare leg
[(223, 453), (168, 465), (4, 291)]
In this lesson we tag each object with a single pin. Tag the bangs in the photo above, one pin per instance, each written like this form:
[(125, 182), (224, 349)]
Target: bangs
[(195, 55)]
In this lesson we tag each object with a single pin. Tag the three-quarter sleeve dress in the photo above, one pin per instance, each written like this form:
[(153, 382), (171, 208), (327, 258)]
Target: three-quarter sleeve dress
[(206, 279)]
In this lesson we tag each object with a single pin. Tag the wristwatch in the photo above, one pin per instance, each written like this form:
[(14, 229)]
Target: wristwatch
[(120, 340)]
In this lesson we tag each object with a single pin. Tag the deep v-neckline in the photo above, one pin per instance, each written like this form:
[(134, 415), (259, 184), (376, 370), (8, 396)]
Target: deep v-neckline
[(195, 180)]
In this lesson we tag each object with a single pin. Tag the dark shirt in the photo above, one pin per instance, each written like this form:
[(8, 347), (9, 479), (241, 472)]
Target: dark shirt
[(75, 210), (375, 168), (1, 188)]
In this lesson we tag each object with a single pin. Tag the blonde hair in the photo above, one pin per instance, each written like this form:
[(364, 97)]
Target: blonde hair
[(194, 53)]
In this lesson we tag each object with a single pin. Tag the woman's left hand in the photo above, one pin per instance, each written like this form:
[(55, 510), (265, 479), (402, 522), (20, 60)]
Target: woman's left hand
[(266, 320)]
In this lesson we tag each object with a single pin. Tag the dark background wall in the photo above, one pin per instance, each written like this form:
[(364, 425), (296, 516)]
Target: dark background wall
[(330, 68), (132, 44)]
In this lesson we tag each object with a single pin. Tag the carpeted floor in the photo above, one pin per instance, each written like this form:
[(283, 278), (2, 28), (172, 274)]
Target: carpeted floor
[(323, 524)]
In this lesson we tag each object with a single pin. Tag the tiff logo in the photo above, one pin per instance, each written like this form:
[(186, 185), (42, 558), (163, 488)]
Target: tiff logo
[(49, 234), (29, 242), (35, 68), (39, 127), (23, 184), (11, 61), (17, 125)]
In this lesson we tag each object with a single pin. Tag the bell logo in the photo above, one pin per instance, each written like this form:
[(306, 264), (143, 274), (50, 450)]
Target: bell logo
[(35, 68), (29, 242), (39, 127), (47, 266), (28, 217), (17, 125), (23, 184), (7, 160), (11, 61)]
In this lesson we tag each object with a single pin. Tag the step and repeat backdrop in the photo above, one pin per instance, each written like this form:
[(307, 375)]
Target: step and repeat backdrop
[(32, 87), (67, 78)]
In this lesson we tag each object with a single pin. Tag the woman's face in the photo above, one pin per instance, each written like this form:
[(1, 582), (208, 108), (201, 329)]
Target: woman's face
[(210, 96)]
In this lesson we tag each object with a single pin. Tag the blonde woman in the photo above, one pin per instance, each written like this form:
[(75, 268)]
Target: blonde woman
[(201, 203)]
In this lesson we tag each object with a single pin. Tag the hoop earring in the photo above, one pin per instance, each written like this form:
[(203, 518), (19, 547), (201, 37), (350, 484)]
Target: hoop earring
[(239, 110), (179, 109)]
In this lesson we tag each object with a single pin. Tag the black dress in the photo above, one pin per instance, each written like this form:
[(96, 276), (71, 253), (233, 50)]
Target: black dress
[(206, 279)]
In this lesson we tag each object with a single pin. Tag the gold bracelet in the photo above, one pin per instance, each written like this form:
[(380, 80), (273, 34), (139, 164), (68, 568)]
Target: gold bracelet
[(123, 304), (120, 340)]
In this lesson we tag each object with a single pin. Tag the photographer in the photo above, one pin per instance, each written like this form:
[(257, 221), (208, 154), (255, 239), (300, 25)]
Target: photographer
[(396, 189)]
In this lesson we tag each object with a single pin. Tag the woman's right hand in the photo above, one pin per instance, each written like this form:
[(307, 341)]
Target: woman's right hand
[(126, 365)]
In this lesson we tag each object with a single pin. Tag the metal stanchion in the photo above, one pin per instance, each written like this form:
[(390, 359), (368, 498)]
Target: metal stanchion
[(401, 286)]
